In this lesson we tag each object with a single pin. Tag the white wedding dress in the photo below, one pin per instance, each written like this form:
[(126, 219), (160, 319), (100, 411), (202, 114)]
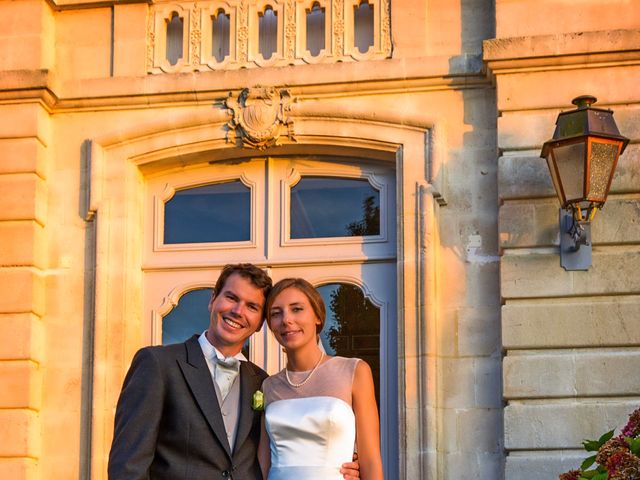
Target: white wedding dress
[(311, 428)]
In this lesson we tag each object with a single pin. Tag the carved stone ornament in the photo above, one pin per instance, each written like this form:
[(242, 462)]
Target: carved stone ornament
[(260, 117)]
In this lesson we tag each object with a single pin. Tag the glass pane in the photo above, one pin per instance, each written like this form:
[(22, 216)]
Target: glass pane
[(334, 207), (315, 29), (570, 161), (218, 212), (363, 26), (190, 316), (352, 327), (174, 39), (267, 32), (220, 46), (602, 157)]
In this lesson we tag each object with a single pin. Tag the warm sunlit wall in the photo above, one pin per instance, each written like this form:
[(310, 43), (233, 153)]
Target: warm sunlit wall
[(571, 338)]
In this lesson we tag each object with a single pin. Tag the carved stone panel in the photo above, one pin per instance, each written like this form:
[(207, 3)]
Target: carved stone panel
[(243, 33)]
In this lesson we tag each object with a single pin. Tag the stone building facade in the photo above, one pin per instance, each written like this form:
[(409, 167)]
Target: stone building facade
[(495, 363)]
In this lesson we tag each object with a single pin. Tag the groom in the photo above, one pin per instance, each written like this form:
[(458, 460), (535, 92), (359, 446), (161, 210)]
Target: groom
[(185, 410)]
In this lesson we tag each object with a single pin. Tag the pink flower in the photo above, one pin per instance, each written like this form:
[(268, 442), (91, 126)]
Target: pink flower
[(623, 465), (612, 446), (571, 475), (632, 428)]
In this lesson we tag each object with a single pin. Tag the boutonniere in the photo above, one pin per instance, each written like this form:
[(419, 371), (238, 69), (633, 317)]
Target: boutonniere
[(257, 401)]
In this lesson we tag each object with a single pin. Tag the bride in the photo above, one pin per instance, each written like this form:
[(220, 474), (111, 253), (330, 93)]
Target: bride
[(319, 408)]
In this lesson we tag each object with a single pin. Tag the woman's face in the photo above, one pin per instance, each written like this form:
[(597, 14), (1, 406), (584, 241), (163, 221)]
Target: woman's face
[(292, 320)]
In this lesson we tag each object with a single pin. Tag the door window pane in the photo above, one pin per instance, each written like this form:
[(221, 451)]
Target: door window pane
[(334, 207), (211, 213), (190, 316), (352, 327)]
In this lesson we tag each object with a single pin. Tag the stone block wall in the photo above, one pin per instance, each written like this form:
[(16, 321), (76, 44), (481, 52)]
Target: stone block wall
[(571, 339), (25, 134), (22, 283)]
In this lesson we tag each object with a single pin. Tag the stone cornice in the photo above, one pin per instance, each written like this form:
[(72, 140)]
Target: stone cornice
[(81, 4), (17, 86), (310, 81), (551, 52)]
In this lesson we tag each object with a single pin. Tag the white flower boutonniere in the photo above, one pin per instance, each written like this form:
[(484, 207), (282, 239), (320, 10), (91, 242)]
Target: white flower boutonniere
[(257, 401)]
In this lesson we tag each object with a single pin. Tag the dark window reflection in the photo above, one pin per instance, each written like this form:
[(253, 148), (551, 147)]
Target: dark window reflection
[(220, 37), (190, 316), (211, 213), (315, 29), (267, 33), (175, 29), (363, 26), (352, 327), (334, 207)]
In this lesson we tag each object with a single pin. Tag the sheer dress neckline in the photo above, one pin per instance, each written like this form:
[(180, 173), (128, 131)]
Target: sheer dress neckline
[(333, 378)]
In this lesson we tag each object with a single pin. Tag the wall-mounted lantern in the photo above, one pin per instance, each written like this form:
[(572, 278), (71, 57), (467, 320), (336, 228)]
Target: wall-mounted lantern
[(582, 157)]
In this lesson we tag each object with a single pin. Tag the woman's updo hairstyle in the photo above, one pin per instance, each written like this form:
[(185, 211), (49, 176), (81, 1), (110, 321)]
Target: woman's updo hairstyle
[(300, 284)]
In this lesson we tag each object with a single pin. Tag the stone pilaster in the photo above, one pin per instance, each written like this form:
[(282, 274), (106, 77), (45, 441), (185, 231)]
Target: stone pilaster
[(24, 133)]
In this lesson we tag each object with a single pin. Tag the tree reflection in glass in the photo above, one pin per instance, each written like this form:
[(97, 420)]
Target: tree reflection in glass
[(323, 207), (352, 327)]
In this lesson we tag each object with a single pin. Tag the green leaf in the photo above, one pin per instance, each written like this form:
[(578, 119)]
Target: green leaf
[(591, 445), (601, 476), (589, 474), (588, 462), (634, 445), (605, 437)]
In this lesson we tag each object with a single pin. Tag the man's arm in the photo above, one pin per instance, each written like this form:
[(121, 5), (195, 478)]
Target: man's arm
[(137, 419)]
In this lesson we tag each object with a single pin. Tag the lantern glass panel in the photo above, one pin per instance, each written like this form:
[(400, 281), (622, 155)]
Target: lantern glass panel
[(569, 160), (554, 178), (602, 162)]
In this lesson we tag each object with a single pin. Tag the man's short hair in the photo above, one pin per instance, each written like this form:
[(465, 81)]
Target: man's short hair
[(255, 275)]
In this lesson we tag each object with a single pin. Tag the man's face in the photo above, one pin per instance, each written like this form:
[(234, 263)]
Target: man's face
[(236, 313)]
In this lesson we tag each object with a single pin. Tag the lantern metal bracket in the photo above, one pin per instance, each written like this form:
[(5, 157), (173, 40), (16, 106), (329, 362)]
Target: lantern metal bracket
[(575, 242)]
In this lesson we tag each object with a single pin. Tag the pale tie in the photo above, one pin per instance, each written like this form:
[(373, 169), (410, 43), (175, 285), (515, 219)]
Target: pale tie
[(227, 370)]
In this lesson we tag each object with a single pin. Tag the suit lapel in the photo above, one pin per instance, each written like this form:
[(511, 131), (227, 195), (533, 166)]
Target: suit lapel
[(198, 377), (249, 383)]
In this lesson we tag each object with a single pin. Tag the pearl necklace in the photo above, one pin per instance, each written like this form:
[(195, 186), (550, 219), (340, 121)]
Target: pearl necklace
[(298, 385)]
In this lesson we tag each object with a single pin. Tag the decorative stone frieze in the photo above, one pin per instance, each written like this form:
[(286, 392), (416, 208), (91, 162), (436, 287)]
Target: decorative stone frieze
[(260, 117), (197, 19)]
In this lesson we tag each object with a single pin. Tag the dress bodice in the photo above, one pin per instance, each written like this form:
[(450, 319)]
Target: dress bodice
[(311, 428)]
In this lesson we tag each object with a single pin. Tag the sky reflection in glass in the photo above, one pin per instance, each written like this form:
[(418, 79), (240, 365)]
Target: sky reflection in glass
[(218, 212), (190, 316), (324, 207)]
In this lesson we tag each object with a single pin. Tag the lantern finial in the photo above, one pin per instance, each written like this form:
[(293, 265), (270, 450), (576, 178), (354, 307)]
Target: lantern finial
[(584, 101)]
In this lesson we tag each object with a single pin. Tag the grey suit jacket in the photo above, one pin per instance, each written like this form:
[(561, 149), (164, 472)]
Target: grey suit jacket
[(168, 424)]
